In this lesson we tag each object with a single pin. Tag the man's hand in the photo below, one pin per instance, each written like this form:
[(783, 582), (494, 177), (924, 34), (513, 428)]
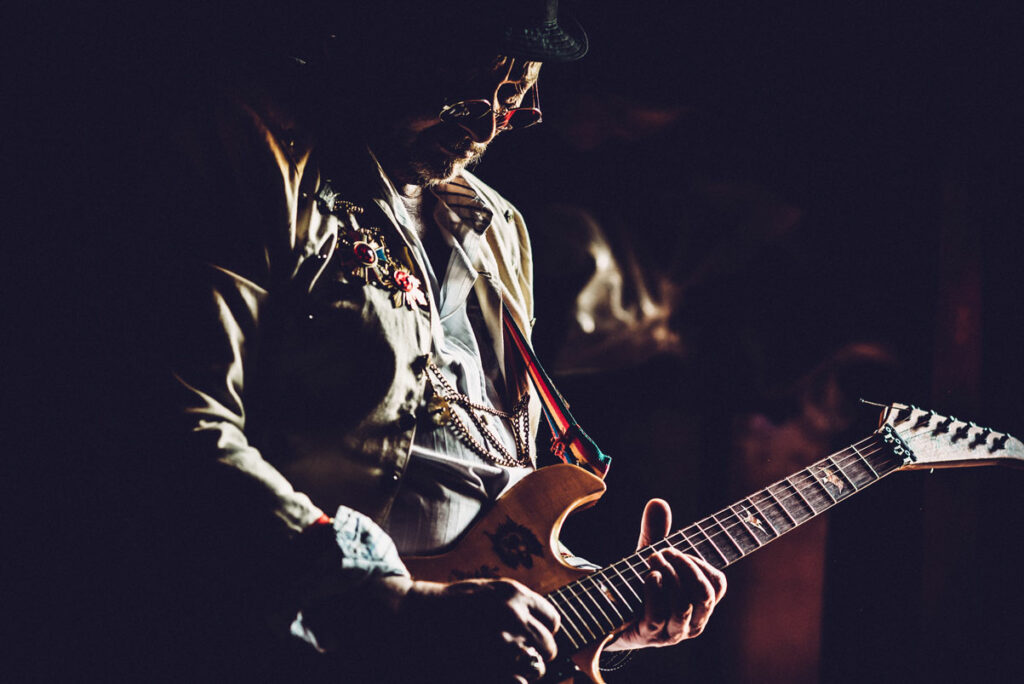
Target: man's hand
[(471, 631), (680, 591)]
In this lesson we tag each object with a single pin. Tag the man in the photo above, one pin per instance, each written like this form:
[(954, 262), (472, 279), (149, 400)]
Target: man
[(343, 392)]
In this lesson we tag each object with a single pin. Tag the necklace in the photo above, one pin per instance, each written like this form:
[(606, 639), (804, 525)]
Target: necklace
[(491, 448)]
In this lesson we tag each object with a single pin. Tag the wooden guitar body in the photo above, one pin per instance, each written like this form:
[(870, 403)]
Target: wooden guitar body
[(518, 539)]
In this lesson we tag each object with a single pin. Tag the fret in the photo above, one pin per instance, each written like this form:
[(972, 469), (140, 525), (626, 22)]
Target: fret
[(798, 511), (629, 564), (571, 601), (645, 566), (734, 532), (592, 595), (611, 582), (684, 544), (822, 482), (727, 548), (750, 526), (860, 470), (865, 461), (604, 589), (880, 457), (768, 519), (662, 544), (628, 585), (705, 548), (844, 476), (800, 495), (578, 599), (566, 622), (816, 493)]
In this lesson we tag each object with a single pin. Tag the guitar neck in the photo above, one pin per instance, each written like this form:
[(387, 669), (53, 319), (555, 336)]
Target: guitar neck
[(598, 604)]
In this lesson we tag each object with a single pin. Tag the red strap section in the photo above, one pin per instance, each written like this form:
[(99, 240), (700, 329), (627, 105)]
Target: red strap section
[(568, 434)]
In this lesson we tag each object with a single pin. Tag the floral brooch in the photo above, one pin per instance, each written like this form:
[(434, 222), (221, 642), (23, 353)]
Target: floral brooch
[(364, 253)]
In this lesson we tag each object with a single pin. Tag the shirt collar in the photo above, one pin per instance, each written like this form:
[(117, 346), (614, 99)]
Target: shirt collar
[(462, 209)]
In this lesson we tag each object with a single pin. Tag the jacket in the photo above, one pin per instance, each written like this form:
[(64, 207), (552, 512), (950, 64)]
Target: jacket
[(299, 387)]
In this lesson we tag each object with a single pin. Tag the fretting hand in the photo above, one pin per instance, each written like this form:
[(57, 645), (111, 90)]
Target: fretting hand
[(680, 591)]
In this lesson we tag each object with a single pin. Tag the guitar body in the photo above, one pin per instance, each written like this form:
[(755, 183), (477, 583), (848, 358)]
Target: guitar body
[(518, 539)]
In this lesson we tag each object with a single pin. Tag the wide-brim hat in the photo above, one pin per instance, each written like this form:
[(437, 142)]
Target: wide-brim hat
[(536, 30)]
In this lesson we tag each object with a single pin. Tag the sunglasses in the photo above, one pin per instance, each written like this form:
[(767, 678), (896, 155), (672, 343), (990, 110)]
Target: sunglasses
[(482, 121)]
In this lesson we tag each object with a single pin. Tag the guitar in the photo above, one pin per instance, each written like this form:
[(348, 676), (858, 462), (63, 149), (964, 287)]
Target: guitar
[(518, 537)]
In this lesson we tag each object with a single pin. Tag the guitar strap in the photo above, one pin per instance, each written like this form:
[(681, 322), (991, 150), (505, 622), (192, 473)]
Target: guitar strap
[(569, 443)]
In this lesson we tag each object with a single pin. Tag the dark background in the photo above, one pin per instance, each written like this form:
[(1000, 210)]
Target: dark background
[(835, 193)]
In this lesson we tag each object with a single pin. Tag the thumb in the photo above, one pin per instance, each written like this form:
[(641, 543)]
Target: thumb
[(656, 522)]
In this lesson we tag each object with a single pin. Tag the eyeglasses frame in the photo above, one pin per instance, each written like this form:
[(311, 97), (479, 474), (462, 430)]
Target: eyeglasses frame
[(501, 117)]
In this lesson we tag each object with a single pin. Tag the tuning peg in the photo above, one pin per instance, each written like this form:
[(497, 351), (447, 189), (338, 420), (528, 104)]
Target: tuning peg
[(999, 442), (924, 419), (961, 432), (904, 413), (981, 438), (943, 426)]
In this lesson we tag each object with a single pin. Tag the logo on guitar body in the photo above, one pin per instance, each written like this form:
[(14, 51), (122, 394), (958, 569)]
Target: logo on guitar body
[(514, 544)]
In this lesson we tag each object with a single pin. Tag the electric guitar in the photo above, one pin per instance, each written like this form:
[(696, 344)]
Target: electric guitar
[(518, 538)]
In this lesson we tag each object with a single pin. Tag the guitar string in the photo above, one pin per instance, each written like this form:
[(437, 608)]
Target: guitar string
[(851, 456), (689, 540), (839, 464), (840, 460), (764, 497), (849, 459)]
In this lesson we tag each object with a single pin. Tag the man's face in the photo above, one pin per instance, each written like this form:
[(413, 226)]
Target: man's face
[(423, 150)]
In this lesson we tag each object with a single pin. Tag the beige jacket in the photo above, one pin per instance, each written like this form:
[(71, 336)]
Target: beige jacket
[(300, 387)]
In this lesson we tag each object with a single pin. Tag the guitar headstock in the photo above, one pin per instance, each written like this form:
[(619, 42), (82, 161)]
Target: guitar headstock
[(938, 441)]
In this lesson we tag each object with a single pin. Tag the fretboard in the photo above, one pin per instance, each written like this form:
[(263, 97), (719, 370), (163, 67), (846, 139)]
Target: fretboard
[(598, 604)]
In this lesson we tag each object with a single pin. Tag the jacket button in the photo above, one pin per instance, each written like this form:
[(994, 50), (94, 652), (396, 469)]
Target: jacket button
[(406, 420), (419, 364)]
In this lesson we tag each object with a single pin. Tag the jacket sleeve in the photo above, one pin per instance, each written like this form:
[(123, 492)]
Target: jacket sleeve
[(211, 382), (237, 253)]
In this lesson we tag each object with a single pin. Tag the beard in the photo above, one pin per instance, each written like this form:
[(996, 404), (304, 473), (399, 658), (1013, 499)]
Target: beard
[(430, 156)]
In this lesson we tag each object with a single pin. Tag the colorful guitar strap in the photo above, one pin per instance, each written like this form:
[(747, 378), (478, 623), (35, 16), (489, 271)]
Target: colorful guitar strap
[(570, 443)]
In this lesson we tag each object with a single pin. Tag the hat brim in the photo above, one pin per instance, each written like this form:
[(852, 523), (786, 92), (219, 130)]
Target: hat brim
[(551, 41)]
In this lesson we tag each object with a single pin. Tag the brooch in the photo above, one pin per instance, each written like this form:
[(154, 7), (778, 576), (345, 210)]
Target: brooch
[(364, 253)]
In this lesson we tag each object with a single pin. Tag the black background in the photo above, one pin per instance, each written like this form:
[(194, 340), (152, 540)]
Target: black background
[(892, 128)]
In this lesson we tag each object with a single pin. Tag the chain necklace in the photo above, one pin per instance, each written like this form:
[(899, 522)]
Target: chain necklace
[(445, 395)]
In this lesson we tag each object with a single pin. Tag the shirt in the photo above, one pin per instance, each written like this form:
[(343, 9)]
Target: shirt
[(446, 483)]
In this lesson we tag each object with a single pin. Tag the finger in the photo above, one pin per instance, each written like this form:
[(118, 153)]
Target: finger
[(542, 609), (673, 596), (702, 593), (655, 523), (540, 638), (654, 616), (664, 601), (714, 575), (527, 662)]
